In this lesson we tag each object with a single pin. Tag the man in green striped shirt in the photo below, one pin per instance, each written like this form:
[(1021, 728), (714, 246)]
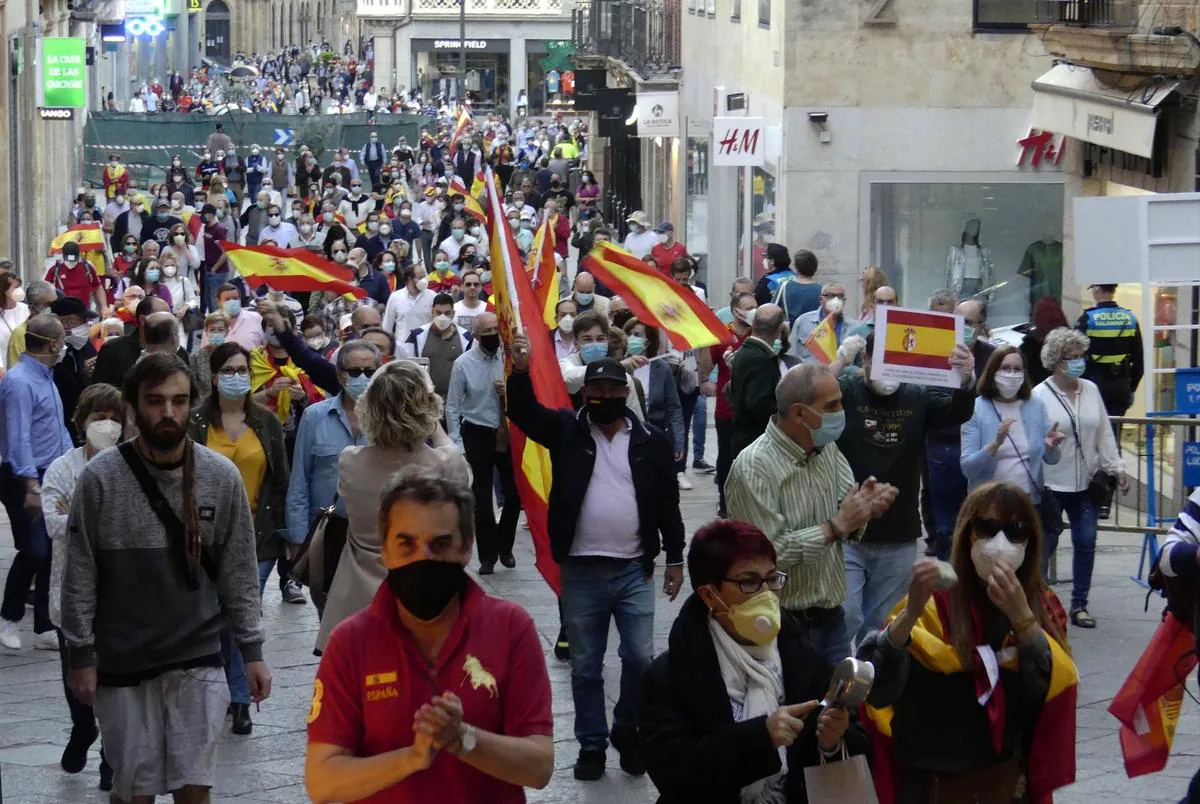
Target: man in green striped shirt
[(794, 484)]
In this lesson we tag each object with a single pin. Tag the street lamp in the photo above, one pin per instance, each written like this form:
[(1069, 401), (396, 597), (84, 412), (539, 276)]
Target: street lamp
[(462, 51)]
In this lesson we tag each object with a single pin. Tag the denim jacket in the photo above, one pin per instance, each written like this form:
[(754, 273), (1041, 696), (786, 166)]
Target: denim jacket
[(978, 465)]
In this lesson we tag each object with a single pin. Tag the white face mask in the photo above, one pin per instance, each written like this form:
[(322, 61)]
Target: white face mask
[(834, 306), (170, 270), (884, 387), (987, 554), (746, 316), (565, 325), (1008, 383), (103, 434), (441, 321), (78, 336), (422, 284)]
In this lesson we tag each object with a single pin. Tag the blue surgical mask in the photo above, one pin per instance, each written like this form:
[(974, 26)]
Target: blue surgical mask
[(216, 338), (1076, 366), (776, 345), (968, 335), (234, 387), (355, 386), (232, 307), (637, 345), (584, 298), (388, 267), (832, 425), (162, 216), (591, 352), (152, 275)]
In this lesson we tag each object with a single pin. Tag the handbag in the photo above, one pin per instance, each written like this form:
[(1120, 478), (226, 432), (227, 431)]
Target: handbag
[(1050, 510), (317, 561), (840, 781), (1102, 485)]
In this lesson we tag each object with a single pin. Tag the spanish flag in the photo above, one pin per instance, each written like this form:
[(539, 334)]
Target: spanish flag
[(543, 271), (293, 269), (917, 338), (89, 236), (464, 122), (822, 341), (264, 368), (1149, 702), (518, 311), (657, 299), (478, 187), (471, 204), (1050, 762)]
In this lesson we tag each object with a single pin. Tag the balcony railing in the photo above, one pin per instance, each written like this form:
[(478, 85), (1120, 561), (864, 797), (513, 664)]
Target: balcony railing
[(644, 34), (450, 8), (1089, 13)]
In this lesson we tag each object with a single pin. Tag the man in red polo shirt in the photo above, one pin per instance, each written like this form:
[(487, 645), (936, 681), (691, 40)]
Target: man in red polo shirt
[(437, 692), (667, 249), (75, 277)]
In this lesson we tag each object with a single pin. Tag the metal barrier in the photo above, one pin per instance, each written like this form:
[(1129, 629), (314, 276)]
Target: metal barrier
[(1157, 487)]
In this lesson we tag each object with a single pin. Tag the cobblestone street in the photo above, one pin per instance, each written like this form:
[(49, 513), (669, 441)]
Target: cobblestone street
[(268, 765)]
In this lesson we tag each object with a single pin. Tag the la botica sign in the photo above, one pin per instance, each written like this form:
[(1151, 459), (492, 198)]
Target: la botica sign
[(658, 114), (63, 76)]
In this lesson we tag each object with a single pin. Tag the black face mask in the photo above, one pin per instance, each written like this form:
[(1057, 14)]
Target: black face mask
[(425, 588), (606, 410), (490, 343)]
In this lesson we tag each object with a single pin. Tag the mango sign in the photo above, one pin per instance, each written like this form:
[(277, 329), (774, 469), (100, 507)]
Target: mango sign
[(64, 73)]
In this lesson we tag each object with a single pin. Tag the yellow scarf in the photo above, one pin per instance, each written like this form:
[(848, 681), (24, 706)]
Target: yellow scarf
[(263, 370)]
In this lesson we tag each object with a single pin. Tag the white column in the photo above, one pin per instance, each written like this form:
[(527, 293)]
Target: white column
[(517, 73), (385, 59), (402, 62)]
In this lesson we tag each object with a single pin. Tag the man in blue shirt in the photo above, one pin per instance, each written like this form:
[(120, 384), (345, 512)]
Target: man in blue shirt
[(326, 428), (475, 422), (32, 434)]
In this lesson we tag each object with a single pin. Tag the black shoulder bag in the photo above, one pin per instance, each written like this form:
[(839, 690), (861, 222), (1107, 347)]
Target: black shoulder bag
[(176, 532)]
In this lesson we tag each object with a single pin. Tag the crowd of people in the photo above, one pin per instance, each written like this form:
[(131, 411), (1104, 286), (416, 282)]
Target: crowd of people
[(161, 419)]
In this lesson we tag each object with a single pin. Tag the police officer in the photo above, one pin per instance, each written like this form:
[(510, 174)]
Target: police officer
[(1114, 360)]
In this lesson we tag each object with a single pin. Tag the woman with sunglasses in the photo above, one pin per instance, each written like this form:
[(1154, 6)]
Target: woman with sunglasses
[(729, 713), (1009, 436), (230, 422), (974, 694)]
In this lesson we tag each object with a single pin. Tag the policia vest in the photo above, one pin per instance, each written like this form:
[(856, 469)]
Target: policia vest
[(1115, 355)]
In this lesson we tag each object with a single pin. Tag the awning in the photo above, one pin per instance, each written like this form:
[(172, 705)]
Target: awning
[(1072, 101)]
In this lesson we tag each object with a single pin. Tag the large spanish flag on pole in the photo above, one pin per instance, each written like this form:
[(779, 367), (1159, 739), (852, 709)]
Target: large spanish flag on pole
[(471, 205), (1148, 704), (292, 269), (464, 122), (917, 339), (657, 299), (543, 272), (822, 341), (517, 309), (89, 237)]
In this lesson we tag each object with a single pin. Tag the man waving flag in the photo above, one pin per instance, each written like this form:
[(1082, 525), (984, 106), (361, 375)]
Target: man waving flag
[(519, 314)]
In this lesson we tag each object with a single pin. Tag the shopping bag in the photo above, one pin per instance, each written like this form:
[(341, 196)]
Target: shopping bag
[(839, 782)]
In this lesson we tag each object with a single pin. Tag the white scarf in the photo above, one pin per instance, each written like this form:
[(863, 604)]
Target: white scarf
[(754, 680)]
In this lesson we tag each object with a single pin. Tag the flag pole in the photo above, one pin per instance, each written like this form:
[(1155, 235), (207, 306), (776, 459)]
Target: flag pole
[(504, 235)]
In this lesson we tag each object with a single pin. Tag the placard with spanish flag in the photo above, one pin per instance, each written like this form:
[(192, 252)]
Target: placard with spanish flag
[(89, 237), (915, 346), (290, 269), (657, 299)]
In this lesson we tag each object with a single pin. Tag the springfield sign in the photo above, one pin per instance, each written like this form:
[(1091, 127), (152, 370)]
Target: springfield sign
[(64, 73)]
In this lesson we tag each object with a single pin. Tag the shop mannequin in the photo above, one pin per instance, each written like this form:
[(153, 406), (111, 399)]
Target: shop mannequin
[(1042, 264), (969, 268)]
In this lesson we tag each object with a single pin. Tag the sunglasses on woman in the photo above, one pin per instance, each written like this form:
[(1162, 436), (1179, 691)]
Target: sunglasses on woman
[(986, 527)]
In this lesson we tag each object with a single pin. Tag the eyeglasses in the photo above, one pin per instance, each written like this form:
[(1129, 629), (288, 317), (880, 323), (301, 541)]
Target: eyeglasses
[(358, 372), (470, 284), (749, 586), (841, 296), (234, 372), (987, 527)]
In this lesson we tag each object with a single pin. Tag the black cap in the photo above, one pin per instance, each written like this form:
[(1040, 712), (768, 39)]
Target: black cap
[(604, 369), (69, 305)]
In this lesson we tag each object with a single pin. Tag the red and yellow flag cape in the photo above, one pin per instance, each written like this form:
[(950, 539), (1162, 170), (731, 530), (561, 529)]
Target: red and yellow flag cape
[(657, 299), (518, 311), (264, 369), (1051, 759), (292, 269)]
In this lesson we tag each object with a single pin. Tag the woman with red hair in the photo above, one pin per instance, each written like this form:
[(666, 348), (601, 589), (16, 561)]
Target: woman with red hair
[(729, 713), (1048, 315)]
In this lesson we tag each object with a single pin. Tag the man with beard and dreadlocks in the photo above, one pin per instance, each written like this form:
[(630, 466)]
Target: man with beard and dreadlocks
[(173, 516)]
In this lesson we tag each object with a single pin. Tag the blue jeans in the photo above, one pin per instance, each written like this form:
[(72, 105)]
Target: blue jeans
[(699, 427), (1082, 516), (593, 592), (877, 576), (947, 490), (235, 670), (828, 634)]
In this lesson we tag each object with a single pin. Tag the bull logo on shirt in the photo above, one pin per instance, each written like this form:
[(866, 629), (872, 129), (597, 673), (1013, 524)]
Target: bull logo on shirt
[(910, 340), (479, 676)]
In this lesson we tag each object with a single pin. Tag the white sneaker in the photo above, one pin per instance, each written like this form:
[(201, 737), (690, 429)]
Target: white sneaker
[(8, 635), (47, 640), (684, 483)]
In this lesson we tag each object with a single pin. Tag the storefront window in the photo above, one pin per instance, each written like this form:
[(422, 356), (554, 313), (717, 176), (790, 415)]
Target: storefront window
[(696, 233), (763, 217), (1002, 240), (486, 77)]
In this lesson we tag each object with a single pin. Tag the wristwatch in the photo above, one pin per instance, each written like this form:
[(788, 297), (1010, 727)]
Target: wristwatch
[(466, 740)]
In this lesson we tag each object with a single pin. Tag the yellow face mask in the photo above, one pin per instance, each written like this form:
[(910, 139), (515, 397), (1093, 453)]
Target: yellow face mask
[(756, 619)]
